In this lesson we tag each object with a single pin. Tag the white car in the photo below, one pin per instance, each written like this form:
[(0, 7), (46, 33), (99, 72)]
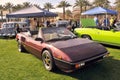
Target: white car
[(62, 23), (9, 28)]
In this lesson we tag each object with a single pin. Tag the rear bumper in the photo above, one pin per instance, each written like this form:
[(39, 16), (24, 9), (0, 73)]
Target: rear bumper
[(69, 66)]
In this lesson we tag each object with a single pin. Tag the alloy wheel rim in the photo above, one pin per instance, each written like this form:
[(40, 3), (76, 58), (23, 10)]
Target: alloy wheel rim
[(47, 61)]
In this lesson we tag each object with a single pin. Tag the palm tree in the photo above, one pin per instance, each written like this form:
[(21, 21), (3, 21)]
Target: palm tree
[(117, 4), (1, 12), (86, 4), (17, 7), (68, 13), (8, 6), (38, 6), (106, 4), (63, 4), (48, 6), (26, 4), (80, 4), (103, 3)]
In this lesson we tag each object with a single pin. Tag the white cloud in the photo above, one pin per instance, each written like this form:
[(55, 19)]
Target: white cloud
[(111, 1), (12, 1), (41, 3)]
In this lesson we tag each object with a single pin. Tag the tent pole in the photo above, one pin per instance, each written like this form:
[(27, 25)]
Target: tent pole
[(106, 20)]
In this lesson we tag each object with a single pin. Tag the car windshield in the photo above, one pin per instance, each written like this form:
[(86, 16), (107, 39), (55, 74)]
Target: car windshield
[(57, 33), (21, 24)]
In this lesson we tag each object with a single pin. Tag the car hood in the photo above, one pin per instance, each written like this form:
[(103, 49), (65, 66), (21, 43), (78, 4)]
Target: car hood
[(79, 49)]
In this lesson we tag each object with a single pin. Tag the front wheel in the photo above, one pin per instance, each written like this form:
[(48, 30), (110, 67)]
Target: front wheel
[(86, 37), (48, 60)]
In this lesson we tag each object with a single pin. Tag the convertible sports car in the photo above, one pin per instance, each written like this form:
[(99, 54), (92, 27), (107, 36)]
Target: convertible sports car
[(59, 47), (101, 34)]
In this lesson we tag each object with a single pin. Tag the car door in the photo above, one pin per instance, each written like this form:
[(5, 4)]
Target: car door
[(109, 36), (94, 33), (33, 46)]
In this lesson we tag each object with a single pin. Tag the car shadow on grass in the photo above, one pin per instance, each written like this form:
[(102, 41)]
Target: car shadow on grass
[(108, 69), (6, 38), (111, 46)]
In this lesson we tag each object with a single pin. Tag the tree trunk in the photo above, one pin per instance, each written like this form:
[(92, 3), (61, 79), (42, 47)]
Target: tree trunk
[(80, 11), (85, 10), (63, 13), (9, 10), (1, 15)]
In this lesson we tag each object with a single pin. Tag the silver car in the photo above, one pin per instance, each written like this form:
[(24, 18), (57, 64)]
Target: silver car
[(9, 29)]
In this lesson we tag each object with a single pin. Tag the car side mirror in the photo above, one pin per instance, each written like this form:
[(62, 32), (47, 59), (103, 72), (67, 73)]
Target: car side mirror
[(39, 39)]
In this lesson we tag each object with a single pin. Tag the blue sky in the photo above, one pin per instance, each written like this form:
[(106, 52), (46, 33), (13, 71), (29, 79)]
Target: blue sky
[(42, 2)]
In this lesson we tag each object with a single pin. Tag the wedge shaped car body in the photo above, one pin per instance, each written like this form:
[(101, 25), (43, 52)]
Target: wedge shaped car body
[(59, 47)]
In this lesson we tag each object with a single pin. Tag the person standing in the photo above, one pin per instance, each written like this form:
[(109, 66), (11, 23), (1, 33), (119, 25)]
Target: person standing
[(48, 23), (96, 20), (34, 24), (111, 21), (17, 28), (74, 25), (114, 21), (106, 21), (27, 21)]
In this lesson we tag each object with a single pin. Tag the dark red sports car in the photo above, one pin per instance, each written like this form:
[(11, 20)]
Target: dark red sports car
[(58, 47)]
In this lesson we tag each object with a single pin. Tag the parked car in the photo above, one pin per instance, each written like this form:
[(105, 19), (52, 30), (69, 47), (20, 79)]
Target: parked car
[(10, 28), (117, 26), (101, 34), (59, 47), (62, 23)]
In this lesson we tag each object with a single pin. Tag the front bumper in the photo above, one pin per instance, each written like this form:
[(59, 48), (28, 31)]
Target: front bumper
[(7, 35), (69, 66)]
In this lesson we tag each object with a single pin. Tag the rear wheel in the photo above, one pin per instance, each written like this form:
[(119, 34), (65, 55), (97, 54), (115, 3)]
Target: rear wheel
[(20, 47), (86, 37), (48, 60)]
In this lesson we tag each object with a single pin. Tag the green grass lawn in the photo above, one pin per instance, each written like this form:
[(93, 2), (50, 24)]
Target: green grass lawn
[(87, 22), (21, 66)]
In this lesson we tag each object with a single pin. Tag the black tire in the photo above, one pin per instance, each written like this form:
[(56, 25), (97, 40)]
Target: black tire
[(20, 47), (48, 60), (86, 37)]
